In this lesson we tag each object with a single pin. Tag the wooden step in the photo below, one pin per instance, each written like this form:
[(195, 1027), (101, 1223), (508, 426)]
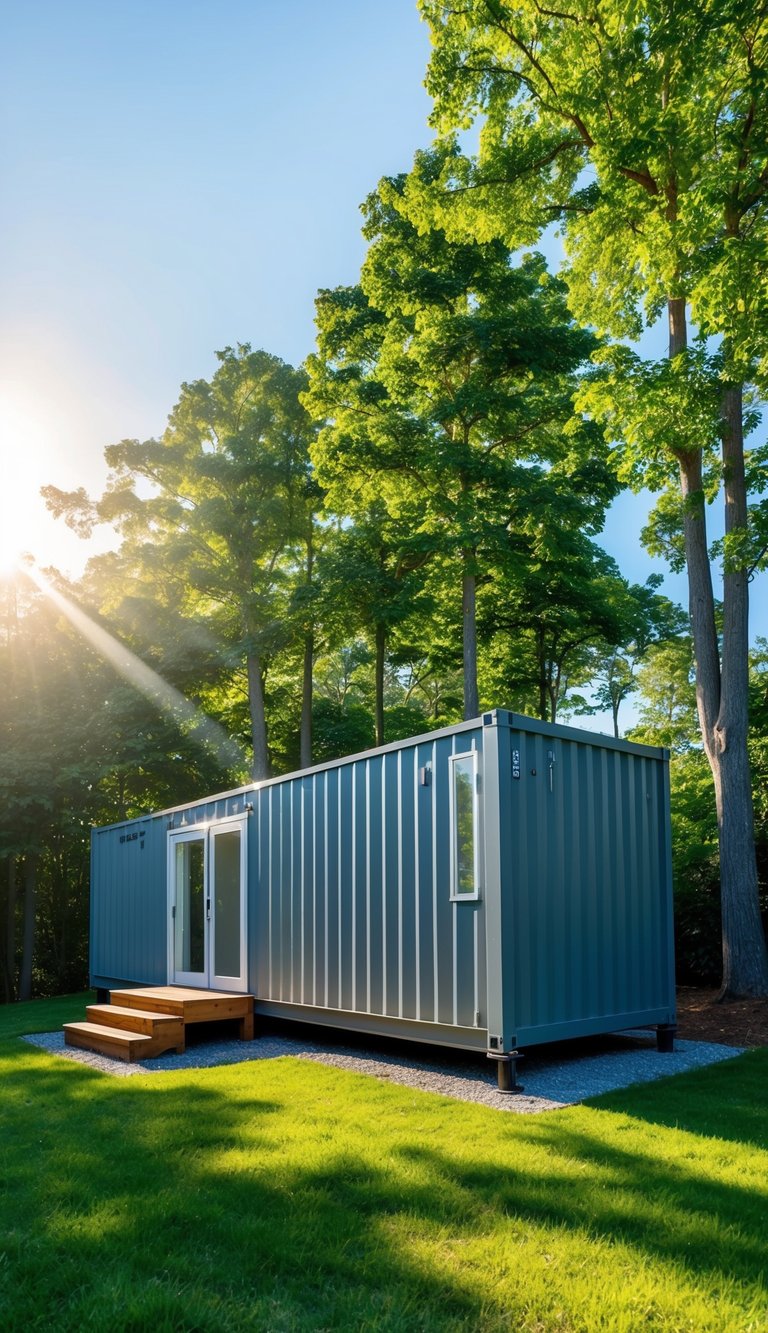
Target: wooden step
[(115, 1042), (194, 1006), (142, 1021), (150, 1001)]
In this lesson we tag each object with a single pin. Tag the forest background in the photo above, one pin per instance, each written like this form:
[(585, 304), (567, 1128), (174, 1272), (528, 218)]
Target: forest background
[(405, 529)]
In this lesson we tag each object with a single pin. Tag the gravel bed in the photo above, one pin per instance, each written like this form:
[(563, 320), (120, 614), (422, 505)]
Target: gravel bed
[(552, 1076)]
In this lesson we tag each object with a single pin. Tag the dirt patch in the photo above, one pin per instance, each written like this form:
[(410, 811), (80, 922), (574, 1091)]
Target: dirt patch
[(734, 1022)]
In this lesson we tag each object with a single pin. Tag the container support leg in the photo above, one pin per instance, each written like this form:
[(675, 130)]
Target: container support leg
[(506, 1070), (665, 1037)]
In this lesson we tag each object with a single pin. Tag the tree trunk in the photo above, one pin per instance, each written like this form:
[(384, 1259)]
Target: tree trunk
[(469, 637), (745, 957), (10, 938), (555, 679), (701, 602), (305, 739), (541, 665), (258, 718), (721, 693), (381, 649), (30, 914)]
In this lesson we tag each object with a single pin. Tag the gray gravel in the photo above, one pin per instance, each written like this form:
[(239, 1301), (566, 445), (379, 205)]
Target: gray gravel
[(552, 1076)]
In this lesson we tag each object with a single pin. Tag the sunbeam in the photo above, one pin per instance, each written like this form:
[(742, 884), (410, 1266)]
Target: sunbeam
[(165, 698)]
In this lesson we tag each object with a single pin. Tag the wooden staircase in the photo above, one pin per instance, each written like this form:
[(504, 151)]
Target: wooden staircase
[(138, 1024)]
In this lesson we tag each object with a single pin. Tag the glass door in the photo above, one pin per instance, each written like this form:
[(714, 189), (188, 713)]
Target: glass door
[(227, 889), (189, 909), (206, 873)]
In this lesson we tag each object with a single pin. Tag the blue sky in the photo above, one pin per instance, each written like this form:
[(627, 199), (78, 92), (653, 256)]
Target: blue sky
[(179, 176)]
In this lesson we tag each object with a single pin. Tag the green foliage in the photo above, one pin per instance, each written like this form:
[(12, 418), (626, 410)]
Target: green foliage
[(78, 747), (341, 729), (667, 716), (696, 871), (661, 103), (212, 518), (667, 708), (547, 614), (446, 382)]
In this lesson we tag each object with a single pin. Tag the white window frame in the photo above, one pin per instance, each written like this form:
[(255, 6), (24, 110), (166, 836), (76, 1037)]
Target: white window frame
[(456, 896)]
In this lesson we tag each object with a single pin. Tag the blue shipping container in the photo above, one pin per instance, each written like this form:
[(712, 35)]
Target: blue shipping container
[(496, 884)]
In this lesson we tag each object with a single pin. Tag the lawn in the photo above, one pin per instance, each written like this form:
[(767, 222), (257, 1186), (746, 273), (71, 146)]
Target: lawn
[(288, 1196)]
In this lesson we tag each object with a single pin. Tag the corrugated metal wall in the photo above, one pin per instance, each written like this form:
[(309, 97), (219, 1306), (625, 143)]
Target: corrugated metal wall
[(129, 892), (590, 926), (352, 891), (349, 892), (129, 940)]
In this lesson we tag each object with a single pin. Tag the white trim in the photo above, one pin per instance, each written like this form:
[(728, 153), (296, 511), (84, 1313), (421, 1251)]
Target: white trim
[(205, 832), (456, 896), (225, 826)]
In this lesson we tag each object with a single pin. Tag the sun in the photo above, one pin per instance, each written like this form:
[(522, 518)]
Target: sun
[(12, 541), (34, 454), (17, 527), (10, 561), (23, 464)]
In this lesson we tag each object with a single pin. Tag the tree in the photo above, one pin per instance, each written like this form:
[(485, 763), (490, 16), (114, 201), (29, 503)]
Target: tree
[(649, 618), (374, 571), (214, 513), (446, 381), (666, 106), (546, 614), (78, 747), (666, 715)]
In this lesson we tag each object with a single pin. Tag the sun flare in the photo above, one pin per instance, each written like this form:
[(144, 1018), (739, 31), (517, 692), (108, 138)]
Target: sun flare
[(24, 461), (12, 542)]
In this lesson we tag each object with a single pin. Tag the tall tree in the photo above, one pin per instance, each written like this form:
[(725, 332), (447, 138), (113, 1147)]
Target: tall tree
[(551, 605), (217, 508), (649, 619), (447, 382), (666, 715), (665, 105), (373, 572), (78, 746)]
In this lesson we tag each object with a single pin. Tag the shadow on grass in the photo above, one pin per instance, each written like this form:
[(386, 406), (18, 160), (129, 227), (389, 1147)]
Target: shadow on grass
[(276, 1197), (726, 1101)]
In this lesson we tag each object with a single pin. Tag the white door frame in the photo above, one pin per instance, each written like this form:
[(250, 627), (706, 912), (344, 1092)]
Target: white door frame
[(206, 834)]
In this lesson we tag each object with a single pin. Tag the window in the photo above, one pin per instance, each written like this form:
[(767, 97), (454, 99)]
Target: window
[(464, 840)]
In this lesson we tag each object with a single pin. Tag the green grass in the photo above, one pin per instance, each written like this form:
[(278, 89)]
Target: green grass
[(285, 1195), (43, 1015)]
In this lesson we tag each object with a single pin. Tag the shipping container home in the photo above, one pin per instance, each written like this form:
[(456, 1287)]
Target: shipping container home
[(490, 886)]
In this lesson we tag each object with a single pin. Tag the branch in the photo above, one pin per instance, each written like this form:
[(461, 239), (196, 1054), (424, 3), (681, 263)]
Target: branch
[(643, 178), (752, 569), (530, 57)]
